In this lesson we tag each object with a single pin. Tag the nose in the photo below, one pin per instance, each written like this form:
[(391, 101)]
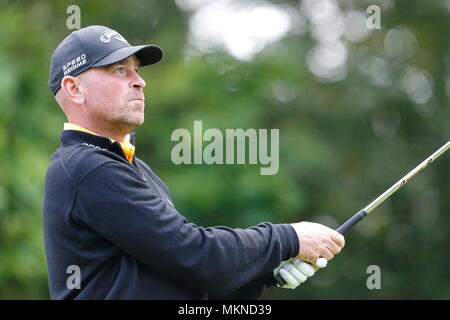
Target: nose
[(138, 82)]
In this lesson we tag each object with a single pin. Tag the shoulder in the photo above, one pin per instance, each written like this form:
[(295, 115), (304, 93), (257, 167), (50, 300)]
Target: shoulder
[(78, 161)]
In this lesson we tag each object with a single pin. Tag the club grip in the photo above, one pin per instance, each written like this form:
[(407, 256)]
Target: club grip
[(280, 280), (352, 221)]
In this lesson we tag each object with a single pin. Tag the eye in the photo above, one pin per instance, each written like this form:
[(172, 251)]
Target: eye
[(120, 70)]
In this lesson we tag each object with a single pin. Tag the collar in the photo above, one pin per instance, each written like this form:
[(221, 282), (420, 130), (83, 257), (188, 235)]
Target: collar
[(127, 147)]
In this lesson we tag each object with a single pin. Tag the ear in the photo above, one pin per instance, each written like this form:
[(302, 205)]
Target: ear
[(73, 89)]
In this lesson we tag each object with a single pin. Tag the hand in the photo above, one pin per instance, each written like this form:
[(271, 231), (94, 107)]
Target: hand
[(294, 272), (317, 241)]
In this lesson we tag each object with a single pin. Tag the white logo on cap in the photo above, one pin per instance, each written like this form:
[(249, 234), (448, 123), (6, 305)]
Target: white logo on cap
[(74, 64), (106, 36)]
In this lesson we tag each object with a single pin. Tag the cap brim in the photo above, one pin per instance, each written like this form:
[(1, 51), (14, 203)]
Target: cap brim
[(147, 54)]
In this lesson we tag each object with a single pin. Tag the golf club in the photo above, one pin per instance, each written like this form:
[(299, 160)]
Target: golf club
[(369, 208)]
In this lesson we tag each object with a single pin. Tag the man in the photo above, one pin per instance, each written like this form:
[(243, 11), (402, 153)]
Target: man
[(111, 230)]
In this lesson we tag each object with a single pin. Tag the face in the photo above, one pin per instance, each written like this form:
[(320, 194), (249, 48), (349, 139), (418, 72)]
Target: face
[(114, 95)]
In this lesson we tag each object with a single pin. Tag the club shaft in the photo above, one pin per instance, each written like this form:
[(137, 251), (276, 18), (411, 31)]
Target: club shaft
[(370, 207), (406, 178)]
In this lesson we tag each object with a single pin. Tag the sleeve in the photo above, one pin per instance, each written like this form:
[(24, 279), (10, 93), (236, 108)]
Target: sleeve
[(114, 201)]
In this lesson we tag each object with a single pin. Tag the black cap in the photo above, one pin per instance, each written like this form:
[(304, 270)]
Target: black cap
[(95, 46)]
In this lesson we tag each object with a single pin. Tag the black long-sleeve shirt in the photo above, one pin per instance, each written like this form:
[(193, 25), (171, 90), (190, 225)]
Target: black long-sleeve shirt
[(115, 221)]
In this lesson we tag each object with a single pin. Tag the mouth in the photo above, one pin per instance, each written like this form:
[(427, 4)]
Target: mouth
[(138, 102)]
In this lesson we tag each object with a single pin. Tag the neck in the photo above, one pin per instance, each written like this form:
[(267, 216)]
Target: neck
[(111, 134)]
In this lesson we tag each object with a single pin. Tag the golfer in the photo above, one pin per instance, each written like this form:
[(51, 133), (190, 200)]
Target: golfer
[(111, 229)]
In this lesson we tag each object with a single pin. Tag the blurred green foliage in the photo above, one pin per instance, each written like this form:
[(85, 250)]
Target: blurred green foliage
[(342, 143)]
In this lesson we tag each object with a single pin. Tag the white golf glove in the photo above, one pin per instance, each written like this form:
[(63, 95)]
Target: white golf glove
[(296, 271)]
